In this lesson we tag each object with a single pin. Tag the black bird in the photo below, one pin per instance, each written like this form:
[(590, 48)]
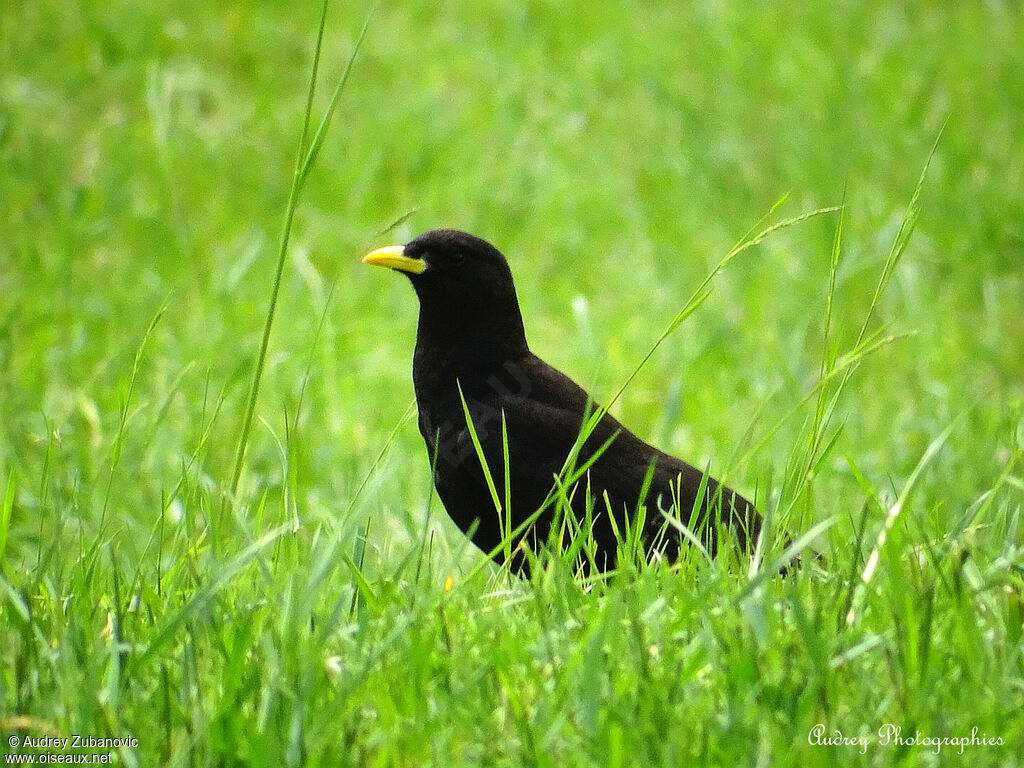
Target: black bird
[(471, 354)]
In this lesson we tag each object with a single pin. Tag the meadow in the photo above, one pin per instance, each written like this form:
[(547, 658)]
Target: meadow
[(829, 199)]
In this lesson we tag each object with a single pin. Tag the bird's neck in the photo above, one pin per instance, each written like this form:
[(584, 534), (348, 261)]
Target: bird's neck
[(473, 348)]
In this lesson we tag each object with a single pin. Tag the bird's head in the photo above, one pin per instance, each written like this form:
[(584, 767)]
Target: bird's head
[(464, 286)]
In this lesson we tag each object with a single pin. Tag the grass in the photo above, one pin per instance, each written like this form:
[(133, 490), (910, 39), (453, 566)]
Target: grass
[(306, 601)]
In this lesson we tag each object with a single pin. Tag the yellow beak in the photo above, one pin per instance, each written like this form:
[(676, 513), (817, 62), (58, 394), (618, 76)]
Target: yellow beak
[(393, 256)]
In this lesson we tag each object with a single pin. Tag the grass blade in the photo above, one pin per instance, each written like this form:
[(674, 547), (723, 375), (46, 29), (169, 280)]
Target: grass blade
[(303, 164), (892, 515)]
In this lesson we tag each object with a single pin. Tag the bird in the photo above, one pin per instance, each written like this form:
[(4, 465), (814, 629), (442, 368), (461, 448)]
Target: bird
[(486, 402)]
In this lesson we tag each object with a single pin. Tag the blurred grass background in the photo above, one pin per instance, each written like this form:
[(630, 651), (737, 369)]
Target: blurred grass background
[(613, 154)]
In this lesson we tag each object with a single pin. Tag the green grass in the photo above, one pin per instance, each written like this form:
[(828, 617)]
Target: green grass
[(319, 607)]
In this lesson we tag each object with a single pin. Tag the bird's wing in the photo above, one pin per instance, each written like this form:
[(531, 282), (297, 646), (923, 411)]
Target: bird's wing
[(626, 464), (542, 421), (542, 418)]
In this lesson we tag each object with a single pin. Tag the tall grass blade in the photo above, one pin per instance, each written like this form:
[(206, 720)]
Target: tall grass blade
[(304, 161), (5, 513)]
